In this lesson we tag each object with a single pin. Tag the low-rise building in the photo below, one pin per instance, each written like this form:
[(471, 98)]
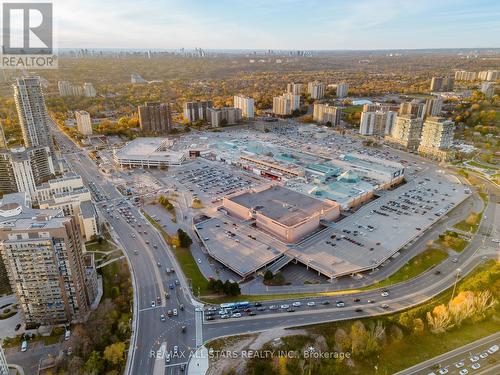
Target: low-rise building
[(148, 153), (284, 213)]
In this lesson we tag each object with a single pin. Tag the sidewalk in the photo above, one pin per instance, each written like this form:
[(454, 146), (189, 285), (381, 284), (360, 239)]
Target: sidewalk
[(198, 363)]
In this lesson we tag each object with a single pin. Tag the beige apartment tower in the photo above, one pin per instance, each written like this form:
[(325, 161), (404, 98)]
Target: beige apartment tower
[(437, 138), (42, 251)]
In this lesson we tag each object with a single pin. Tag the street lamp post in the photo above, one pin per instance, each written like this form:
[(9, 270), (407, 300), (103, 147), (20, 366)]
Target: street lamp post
[(458, 270)]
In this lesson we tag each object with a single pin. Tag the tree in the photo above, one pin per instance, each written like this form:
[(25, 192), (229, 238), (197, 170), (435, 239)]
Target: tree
[(342, 340), (439, 319), (235, 289), (114, 353), (94, 364), (268, 275), (184, 239), (418, 326), (359, 337)]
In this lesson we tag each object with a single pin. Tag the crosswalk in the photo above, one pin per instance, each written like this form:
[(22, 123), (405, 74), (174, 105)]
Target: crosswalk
[(199, 328)]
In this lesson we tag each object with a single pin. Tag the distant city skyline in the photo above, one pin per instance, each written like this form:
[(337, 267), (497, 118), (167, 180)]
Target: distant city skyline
[(280, 24)]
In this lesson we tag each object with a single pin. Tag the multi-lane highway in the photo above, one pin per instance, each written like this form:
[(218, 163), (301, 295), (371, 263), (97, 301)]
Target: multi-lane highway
[(150, 278), (149, 264)]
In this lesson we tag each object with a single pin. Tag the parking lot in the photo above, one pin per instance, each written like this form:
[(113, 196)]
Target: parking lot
[(213, 180)]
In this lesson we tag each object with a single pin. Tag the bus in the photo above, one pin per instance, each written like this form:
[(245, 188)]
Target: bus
[(234, 305)]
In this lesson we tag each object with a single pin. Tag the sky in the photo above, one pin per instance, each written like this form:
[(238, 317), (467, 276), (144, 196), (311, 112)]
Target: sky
[(278, 24)]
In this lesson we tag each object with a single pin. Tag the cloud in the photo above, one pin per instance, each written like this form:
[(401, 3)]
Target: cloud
[(277, 24)]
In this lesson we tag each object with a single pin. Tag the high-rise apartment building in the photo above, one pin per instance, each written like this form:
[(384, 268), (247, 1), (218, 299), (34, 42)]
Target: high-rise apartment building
[(316, 89), (415, 107), (488, 89), (68, 89), (489, 75), (246, 104), (33, 116), (377, 123), (83, 122), (324, 113), (42, 251), (285, 104), (21, 170), (433, 106), (294, 88), (198, 110), (224, 116), (342, 90), (155, 117), (437, 138), (3, 140), (442, 84), (7, 179), (89, 90), (406, 131), (463, 75), (4, 368), (381, 107)]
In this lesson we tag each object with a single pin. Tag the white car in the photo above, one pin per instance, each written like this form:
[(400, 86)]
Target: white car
[(464, 371), (296, 304), (236, 315), (443, 371), (475, 366), (153, 303), (460, 364), (311, 304), (493, 349), (474, 358), (175, 312), (167, 358), (199, 260), (385, 293), (176, 349), (483, 355), (284, 307), (225, 316)]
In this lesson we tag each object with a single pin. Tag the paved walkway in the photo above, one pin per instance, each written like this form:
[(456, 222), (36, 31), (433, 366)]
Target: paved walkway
[(198, 364)]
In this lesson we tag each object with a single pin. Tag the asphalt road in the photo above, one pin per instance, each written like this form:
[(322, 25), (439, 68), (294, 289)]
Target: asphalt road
[(151, 281), (451, 362)]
